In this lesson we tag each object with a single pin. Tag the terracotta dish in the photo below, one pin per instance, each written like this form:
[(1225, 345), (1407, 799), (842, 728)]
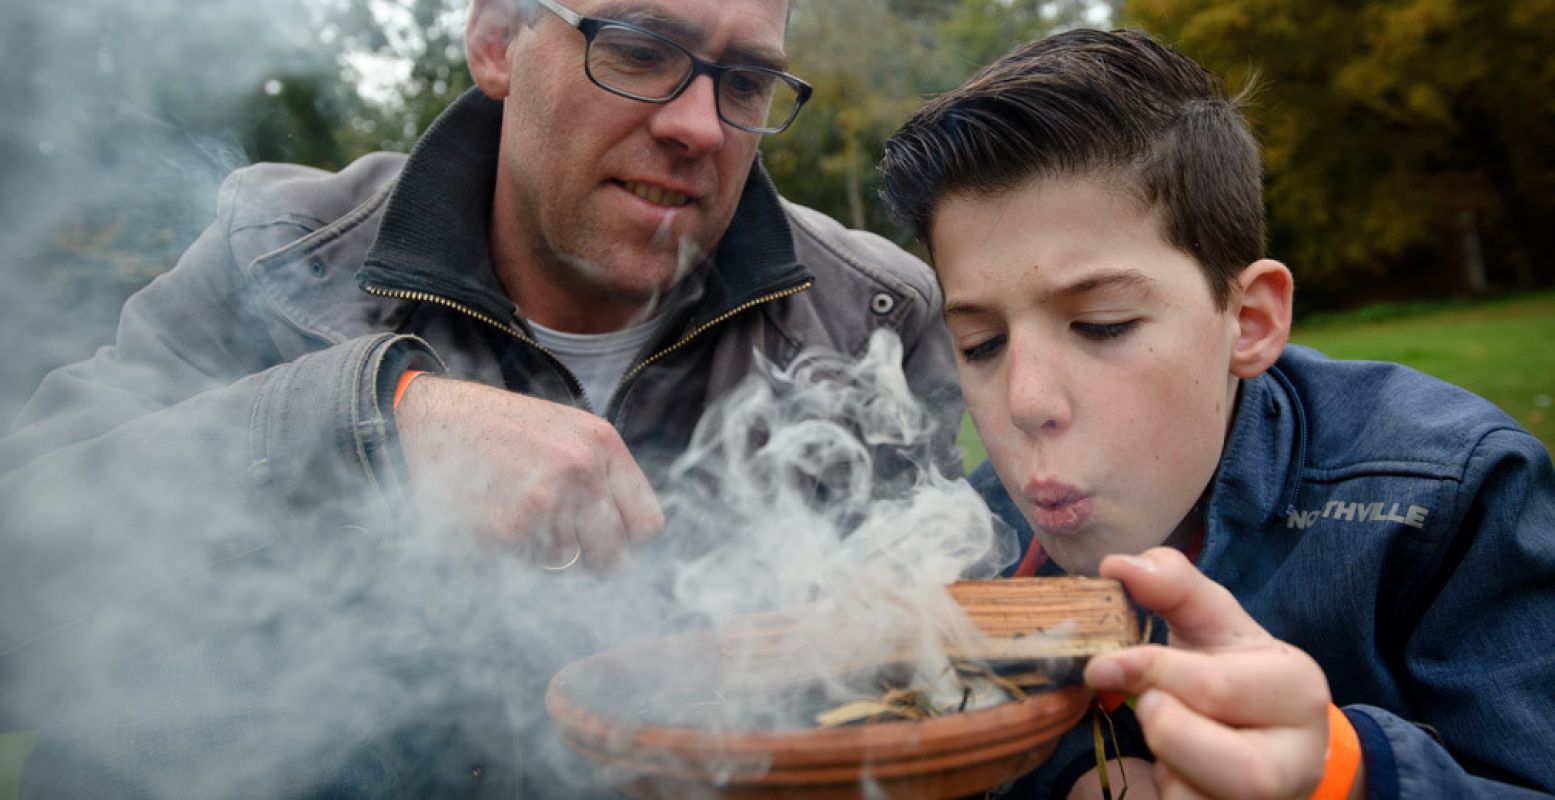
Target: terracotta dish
[(635, 710)]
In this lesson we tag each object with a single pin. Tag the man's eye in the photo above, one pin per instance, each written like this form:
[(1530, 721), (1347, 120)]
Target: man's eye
[(982, 351), (1103, 331), (748, 85), (634, 55)]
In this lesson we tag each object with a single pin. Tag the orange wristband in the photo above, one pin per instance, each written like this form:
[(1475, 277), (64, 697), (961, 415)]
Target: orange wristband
[(399, 391), (1344, 758)]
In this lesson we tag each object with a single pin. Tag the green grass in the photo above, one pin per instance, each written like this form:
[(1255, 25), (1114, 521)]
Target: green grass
[(1502, 349), (972, 450), (14, 748)]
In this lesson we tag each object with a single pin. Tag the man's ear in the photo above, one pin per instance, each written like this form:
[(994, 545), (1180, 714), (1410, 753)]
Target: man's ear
[(486, 37), (1263, 308)]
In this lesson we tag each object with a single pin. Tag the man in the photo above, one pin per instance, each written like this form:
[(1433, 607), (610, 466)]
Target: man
[(505, 336)]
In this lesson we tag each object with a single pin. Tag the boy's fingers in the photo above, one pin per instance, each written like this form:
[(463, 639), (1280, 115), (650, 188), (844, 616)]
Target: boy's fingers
[(1170, 787), (1199, 612), (1218, 761), (1230, 686)]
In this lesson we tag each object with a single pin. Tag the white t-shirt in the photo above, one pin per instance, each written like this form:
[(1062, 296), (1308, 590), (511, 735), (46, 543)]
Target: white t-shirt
[(597, 359)]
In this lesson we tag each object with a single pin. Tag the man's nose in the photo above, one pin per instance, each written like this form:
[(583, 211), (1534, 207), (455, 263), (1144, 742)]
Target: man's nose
[(1039, 396), (691, 120)]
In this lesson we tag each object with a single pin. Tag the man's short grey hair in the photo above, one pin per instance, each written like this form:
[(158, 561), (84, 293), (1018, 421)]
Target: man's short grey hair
[(526, 11)]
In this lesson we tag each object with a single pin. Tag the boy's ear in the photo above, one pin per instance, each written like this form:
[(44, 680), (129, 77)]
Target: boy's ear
[(1263, 309), (487, 34)]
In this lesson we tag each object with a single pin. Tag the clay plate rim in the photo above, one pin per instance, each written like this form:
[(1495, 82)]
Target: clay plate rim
[(886, 749)]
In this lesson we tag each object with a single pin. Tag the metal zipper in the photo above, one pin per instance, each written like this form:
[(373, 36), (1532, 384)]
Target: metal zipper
[(427, 297), (572, 380), (700, 329)]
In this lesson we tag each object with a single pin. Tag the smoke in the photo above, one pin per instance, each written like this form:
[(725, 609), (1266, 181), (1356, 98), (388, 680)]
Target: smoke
[(121, 121), (205, 651), (688, 255), (821, 449), (814, 493), (809, 493)]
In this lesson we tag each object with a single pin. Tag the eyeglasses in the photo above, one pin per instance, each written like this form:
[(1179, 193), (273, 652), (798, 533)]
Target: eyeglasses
[(624, 59)]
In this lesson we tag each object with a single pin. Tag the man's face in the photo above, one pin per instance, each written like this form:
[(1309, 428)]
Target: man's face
[(1093, 361), (612, 199)]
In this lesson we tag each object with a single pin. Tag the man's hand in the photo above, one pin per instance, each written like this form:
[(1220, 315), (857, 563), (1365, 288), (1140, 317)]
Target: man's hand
[(1228, 710), (548, 478)]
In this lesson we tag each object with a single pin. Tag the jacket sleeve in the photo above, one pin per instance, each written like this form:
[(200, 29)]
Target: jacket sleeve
[(927, 358), (1480, 666), (186, 444), (918, 318), (930, 366)]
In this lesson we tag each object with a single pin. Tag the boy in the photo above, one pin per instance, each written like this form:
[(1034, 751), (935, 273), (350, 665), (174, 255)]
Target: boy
[(1092, 203)]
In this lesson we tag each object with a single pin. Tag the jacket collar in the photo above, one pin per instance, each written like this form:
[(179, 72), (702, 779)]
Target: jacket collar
[(434, 235), (1259, 474)]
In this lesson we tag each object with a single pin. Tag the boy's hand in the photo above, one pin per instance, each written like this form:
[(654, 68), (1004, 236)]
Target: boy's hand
[(1228, 710)]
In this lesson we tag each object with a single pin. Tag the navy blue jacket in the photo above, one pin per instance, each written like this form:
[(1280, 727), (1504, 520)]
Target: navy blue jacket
[(1402, 531)]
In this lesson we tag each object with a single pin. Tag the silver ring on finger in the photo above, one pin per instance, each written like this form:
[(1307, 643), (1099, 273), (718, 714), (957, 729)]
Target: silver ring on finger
[(577, 555)]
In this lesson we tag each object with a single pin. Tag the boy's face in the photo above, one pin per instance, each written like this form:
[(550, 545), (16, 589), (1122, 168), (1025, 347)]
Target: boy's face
[(1093, 361)]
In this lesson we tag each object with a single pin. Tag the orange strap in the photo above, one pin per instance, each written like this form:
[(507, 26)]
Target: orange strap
[(1344, 758), (399, 391), (1032, 561)]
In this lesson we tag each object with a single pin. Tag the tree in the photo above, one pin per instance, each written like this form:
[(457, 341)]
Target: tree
[(976, 32), (134, 113), (874, 62), (865, 63), (1406, 141), (418, 46)]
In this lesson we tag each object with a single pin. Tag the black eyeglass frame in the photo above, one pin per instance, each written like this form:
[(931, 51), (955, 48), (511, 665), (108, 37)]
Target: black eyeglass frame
[(591, 26)]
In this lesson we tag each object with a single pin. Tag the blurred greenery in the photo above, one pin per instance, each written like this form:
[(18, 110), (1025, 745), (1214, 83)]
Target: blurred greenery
[(14, 748), (874, 62), (972, 450), (1407, 142), (1499, 349)]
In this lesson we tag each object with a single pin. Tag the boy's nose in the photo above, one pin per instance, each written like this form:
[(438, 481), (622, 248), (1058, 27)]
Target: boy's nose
[(691, 120), (1039, 404)]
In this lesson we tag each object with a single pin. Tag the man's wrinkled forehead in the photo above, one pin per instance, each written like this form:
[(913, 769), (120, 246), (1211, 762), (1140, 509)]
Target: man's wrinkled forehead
[(755, 38)]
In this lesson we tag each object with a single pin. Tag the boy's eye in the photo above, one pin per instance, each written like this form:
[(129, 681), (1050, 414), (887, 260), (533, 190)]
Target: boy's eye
[(983, 350), (1102, 331)]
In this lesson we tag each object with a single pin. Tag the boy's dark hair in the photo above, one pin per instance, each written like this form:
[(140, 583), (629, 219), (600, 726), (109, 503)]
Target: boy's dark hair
[(1089, 102)]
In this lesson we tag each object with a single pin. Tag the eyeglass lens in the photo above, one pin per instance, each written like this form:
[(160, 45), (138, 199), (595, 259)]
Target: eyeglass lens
[(637, 64)]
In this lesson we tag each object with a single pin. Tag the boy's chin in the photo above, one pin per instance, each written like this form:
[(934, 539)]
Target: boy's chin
[(1075, 561), (1086, 561)]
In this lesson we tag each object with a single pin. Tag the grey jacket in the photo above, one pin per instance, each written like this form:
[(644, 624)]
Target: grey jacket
[(258, 372)]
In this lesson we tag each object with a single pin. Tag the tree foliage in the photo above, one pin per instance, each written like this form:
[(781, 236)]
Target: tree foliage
[(873, 62), (128, 115), (1406, 141)]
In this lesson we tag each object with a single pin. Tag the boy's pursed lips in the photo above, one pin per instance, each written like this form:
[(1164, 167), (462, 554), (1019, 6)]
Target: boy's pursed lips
[(1055, 506)]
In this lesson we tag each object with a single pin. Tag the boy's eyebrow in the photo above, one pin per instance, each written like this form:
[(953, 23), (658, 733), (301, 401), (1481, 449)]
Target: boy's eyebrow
[(961, 310), (1119, 279)]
